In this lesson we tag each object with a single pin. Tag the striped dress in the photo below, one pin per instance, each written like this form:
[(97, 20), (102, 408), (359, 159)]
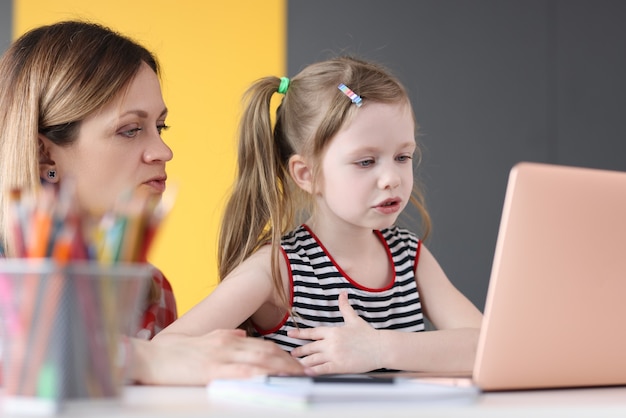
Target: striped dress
[(317, 282)]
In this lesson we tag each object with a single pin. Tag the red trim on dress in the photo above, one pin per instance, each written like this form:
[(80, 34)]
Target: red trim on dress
[(347, 277), (417, 256)]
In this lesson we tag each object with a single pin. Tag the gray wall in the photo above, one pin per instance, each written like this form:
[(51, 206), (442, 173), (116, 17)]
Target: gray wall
[(6, 23), (493, 82)]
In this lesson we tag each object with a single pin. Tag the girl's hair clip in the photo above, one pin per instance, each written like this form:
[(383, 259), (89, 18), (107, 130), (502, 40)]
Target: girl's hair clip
[(356, 99)]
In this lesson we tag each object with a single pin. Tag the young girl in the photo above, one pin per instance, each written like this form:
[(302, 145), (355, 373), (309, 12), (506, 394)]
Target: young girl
[(347, 290)]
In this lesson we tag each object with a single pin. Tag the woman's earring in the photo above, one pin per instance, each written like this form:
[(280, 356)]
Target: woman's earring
[(52, 174)]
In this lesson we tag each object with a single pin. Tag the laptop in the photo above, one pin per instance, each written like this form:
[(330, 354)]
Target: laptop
[(555, 313)]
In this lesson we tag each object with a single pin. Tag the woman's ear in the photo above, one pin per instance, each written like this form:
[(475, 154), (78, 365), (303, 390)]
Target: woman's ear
[(47, 166), (301, 173)]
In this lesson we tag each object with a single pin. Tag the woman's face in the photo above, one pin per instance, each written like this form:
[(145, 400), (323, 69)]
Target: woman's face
[(119, 147)]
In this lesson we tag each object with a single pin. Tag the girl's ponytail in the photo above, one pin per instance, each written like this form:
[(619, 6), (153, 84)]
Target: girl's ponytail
[(257, 211)]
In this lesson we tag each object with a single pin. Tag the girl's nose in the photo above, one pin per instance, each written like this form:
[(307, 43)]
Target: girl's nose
[(390, 178)]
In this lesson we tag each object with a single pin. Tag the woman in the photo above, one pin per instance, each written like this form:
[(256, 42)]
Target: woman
[(81, 102)]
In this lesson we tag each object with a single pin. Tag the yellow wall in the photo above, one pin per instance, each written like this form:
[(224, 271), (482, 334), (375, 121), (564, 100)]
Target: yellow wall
[(209, 51)]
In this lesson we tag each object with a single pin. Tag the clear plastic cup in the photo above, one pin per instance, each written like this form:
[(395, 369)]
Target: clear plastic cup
[(63, 329)]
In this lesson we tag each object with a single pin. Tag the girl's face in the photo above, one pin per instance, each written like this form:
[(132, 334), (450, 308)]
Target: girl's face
[(367, 168), (119, 147)]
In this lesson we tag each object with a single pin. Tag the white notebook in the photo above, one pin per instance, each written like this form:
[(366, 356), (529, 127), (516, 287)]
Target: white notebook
[(302, 392)]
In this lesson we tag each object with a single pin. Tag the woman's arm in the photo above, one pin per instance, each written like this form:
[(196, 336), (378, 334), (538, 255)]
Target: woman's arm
[(198, 360)]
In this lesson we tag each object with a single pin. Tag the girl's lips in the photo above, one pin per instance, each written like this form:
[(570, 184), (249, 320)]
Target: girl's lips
[(389, 206)]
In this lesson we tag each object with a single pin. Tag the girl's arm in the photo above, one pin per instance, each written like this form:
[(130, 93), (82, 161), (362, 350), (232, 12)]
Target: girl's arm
[(358, 347), (234, 300), (452, 346), (444, 305)]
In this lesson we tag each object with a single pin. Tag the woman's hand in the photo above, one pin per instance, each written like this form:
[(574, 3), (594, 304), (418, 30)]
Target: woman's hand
[(197, 360), (351, 348)]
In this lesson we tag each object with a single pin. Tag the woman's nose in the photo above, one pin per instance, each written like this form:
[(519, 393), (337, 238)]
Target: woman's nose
[(158, 150)]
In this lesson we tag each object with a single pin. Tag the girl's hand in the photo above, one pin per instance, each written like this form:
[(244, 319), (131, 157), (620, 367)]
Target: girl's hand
[(351, 348)]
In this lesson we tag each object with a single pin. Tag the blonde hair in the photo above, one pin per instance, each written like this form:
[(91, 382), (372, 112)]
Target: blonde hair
[(51, 78), (265, 203)]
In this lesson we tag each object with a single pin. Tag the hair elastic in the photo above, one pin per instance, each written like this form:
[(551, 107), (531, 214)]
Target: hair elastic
[(284, 85), (356, 99)]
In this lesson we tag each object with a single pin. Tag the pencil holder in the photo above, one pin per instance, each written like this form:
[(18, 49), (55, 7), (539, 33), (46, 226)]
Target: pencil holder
[(64, 328)]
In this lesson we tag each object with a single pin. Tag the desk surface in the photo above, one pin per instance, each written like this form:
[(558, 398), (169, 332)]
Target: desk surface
[(164, 401)]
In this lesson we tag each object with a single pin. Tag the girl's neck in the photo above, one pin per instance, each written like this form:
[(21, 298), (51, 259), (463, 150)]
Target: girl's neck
[(345, 241), (359, 252)]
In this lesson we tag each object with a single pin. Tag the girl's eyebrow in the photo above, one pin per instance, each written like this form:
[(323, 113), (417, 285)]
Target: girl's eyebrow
[(407, 144)]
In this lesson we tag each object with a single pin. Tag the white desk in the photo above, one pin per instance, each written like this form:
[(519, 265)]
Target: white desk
[(180, 402)]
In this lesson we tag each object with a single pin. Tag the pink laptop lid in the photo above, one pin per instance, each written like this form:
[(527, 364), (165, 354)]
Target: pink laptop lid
[(555, 314)]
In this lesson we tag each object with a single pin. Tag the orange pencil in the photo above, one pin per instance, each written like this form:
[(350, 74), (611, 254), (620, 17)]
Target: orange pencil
[(135, 224), (18, 246), (41, 226), (30, 284), (155, 214), (62, 249)]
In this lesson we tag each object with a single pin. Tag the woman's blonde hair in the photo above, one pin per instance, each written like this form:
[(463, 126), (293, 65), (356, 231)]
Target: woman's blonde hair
[(265, 203), (51, 78)]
